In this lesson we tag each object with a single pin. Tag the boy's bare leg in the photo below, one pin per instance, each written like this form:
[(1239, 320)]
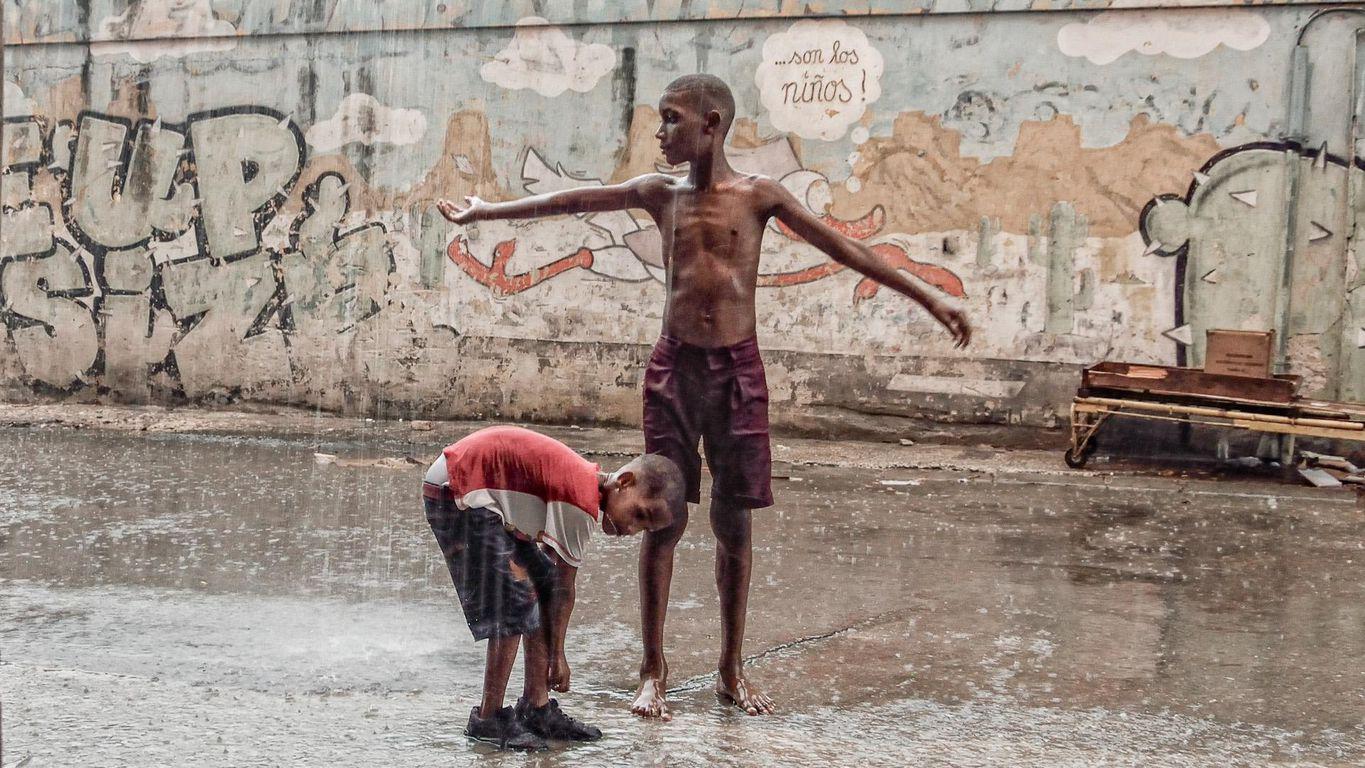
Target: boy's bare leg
[(656, 576), (536, 689), (734, 560), (502, 651)]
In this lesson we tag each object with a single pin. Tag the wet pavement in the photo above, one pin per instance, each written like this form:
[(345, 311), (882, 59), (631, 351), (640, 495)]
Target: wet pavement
[(191, 599)]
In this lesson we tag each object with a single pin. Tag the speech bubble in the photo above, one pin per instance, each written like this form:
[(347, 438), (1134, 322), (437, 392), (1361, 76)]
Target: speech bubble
[(818, 78)]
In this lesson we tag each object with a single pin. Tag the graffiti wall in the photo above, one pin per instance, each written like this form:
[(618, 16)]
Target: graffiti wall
[(219, 201)]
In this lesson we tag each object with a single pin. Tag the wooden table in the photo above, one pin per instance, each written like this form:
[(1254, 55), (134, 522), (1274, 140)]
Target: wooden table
[(1299, 418)]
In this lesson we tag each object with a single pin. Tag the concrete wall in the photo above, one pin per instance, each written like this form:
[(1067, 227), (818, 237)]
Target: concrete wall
[(213, 200)]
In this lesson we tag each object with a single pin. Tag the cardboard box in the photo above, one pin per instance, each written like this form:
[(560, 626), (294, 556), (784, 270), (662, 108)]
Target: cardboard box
[(1239, 353)]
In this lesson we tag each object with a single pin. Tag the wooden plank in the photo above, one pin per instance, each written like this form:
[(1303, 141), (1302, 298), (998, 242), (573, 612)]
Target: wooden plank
[(1170, 408), (1353, 411), (1357, 435), (1190, 382), (1107, 405), (1220, 413), (1318, 478), (1331, 424)]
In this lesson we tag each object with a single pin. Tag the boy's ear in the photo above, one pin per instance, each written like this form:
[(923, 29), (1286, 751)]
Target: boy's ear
[(712, 120), (625, 479)]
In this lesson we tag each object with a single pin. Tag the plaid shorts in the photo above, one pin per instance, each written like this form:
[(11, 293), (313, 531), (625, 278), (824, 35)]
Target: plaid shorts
[(496, 573)]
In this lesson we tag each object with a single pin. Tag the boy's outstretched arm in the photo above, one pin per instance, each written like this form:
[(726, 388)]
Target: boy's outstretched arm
[(556, 608), (857, 256), (615, 197)]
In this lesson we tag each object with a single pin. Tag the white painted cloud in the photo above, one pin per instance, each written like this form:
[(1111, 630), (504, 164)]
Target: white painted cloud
[(546, 60), (151, 29), (1182, 34), (363, 118)]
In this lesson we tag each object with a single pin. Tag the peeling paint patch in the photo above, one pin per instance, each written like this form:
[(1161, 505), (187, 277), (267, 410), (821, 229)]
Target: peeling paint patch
[(927, 185)]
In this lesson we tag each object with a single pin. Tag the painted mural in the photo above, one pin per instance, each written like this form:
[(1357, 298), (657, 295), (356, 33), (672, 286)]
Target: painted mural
[(633, 248), (194, 211), (1231, 249)]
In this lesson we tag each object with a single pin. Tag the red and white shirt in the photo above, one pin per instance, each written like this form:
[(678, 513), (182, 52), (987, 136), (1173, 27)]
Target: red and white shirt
[(539, 486)]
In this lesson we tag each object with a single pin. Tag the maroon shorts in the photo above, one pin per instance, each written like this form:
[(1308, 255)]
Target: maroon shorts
[(719, 396)]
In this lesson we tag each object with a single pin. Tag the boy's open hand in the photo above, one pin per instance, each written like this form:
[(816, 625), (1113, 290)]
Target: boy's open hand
[(559, 673), (470, 212), (955, 320)]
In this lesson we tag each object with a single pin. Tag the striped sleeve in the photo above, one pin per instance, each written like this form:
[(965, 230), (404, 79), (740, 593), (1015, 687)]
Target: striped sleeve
[(567, 531)]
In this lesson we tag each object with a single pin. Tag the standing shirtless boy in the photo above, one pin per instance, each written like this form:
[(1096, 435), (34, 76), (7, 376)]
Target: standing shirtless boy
[(705, 379)]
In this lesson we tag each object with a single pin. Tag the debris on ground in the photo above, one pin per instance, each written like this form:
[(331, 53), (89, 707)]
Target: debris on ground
[(1329, 462), (386, 462), (1327, 471), (1320, 478)]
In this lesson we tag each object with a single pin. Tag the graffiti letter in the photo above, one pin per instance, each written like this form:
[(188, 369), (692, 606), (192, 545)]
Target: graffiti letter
[(335, 280), (225, 307), (55, 335), (245, 162), (108, 214), (131, 344)]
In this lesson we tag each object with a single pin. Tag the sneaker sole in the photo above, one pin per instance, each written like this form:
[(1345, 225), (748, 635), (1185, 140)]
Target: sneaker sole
[(567, 740), (504, 745)]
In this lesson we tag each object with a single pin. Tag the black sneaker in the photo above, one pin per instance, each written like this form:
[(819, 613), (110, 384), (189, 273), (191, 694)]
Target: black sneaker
[(503, 729), (549, 722)]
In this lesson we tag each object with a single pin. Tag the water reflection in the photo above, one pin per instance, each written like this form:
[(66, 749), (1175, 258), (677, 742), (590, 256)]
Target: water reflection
[(234, 600)]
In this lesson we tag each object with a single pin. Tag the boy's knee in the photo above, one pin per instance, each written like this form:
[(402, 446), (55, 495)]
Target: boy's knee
[(731, 524), (734, 543)]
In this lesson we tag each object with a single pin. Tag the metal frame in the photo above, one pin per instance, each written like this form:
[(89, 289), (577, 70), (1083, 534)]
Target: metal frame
[(1088, 414)]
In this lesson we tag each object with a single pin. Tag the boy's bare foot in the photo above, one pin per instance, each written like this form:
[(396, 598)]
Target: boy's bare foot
[(743, 694), (651, 701)]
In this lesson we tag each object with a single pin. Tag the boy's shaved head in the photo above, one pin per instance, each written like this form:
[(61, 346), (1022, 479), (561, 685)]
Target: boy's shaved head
[(706, 92), (660, 478)]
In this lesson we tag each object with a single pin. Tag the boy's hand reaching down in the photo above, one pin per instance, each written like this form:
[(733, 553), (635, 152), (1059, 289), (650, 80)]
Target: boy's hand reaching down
[(469, 213), (955, 320), (559, 673)]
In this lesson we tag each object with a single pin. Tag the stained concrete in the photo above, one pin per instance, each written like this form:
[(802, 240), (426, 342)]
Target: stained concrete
[(200, 598)]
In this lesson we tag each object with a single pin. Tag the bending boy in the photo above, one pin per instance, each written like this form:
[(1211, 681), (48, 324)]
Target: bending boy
[(705, 380), (512, 511)]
